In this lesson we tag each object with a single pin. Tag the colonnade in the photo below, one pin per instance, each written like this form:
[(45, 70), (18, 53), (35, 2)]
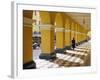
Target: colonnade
[(57, 30)]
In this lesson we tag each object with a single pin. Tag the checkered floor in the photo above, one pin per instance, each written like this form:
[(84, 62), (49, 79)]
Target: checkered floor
[(71, 58)]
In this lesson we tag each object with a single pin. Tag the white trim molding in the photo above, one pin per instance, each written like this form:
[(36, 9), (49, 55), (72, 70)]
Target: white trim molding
[(27, 20), (46, 27), (59, 29), (67, 30)]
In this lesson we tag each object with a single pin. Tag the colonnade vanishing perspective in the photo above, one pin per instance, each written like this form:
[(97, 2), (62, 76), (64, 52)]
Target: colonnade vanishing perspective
[(57, 30)]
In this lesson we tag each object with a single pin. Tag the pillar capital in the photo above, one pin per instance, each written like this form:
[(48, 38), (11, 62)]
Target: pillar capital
[(67, 30), (59, 29), (27, 22), (46, 27)]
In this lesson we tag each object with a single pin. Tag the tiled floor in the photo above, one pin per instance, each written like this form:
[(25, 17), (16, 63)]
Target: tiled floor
[(71, 58)]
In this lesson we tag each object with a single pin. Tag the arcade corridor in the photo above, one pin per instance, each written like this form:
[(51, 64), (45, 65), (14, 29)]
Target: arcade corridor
[(47, 39)]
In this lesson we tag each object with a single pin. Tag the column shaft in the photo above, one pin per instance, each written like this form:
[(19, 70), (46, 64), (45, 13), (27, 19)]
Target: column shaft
[(67, 39), (47, 42), (28, 62), (59, 40)]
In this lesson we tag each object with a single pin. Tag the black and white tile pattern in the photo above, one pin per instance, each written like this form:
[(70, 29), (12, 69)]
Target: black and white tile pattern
[(70, 58)]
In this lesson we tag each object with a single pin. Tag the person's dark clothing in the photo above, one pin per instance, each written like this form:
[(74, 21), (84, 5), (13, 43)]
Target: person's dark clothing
[(73, 44)]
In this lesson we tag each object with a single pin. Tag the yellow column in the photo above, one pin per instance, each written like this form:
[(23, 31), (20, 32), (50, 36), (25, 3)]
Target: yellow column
[(81, 34), (67, 34), (88, 33), (85, 34), (27, 44), (76, 33), (28, 62), (47, 36), (59, 32), (72, 31), (59, 39), (47, 42)]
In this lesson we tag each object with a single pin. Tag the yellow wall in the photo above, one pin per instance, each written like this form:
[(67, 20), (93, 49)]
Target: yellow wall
[(47, 33), (46, 41), (27, 13), (59, 20), (45, 17), (52, 17), (27, 44), (67, 23), (27, 36), (60, 31), (76, 34), (72, 31), (67, 33), (67, 39), (59, 39)]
